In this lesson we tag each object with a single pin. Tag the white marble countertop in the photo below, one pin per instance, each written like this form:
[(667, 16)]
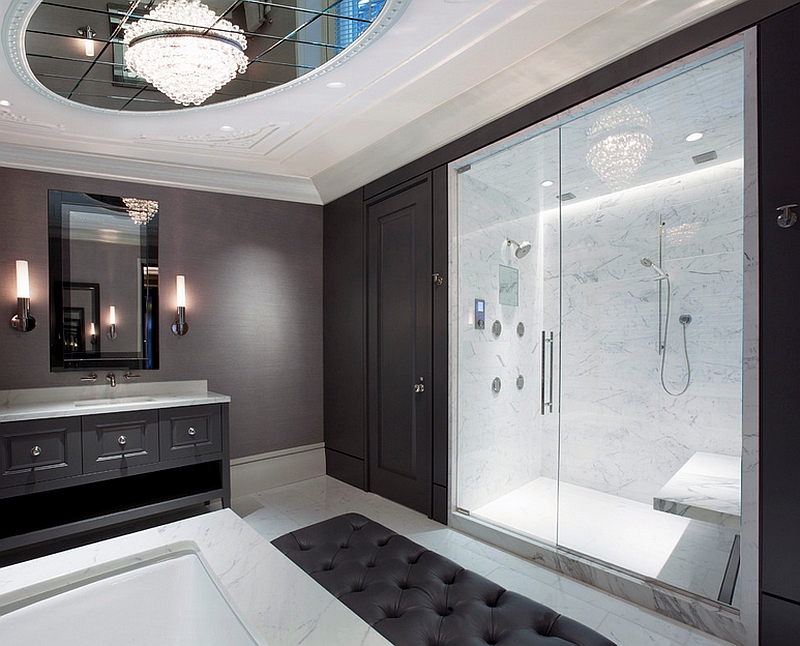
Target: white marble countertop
[(70, 401), (708, 487), (279, 602)]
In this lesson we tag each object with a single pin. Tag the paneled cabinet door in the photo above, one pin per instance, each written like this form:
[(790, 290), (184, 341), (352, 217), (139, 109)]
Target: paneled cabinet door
[(37, 450), (120, 440), (190, 431)]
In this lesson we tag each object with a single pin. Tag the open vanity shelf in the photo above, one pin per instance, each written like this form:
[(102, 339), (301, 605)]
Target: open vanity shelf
[(72, 469)]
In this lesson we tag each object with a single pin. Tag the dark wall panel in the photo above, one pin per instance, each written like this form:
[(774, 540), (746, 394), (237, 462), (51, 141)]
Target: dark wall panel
[(253, 272), (344, 331), (779, 352)]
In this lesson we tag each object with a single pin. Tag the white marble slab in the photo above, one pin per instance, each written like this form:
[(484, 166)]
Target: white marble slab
[(279, 603), (708, 487), (44, 403)]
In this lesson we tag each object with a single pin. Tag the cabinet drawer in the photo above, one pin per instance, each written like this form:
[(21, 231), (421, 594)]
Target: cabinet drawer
[(119, 440), (190, 431), (37, 450)]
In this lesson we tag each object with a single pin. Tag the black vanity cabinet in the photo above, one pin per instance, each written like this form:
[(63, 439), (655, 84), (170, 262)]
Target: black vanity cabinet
[(68, 480)]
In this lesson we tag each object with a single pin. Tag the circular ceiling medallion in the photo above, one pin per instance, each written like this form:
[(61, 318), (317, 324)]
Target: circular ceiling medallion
[(73, 50)]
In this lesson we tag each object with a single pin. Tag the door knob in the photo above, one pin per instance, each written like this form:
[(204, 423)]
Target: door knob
[(787, 217), (420, 387)]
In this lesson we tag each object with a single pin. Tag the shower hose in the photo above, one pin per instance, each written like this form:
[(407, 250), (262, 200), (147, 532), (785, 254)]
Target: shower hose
[(664, 348)]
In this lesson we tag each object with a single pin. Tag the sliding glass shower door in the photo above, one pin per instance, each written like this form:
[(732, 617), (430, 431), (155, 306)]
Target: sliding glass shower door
[(508, 338), (599, 329)]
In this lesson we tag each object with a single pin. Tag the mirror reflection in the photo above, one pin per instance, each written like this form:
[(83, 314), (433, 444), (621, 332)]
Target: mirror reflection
[(104, 282)]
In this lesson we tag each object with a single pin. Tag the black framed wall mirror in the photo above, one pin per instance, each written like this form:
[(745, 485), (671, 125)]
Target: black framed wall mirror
[(103, 282)]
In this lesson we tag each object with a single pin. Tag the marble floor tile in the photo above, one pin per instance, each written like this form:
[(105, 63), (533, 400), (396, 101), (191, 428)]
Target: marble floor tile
[(277, 511)]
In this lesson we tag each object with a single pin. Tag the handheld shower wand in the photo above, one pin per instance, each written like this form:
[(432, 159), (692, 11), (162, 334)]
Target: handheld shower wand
[(685, 319), (661, 273)]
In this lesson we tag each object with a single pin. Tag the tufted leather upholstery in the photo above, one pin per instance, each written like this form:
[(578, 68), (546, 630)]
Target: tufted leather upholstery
[(414, 597)]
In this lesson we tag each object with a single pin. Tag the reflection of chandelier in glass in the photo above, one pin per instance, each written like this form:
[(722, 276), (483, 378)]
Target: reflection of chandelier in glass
[(141, 211), (620, 145), (185, 50)]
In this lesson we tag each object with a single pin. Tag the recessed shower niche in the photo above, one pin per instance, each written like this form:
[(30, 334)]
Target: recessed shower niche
[(631, 290)]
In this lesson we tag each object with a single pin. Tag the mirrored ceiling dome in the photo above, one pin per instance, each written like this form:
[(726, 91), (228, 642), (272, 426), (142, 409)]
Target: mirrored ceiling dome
[(75, 49)]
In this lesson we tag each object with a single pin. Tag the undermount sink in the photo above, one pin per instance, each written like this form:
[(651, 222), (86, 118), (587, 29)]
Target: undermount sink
[(114, 401)]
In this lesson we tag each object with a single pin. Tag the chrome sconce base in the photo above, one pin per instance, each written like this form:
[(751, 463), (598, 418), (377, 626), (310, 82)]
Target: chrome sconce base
[(22, 321), (112, 331), (180, 326)]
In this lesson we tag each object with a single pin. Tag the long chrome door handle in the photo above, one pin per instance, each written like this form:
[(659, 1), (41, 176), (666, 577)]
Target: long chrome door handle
[(544, 340), (550, 401), (547, 402)]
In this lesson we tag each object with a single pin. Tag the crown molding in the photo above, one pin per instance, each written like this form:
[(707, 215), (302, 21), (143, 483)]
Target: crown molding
[(196, 178)]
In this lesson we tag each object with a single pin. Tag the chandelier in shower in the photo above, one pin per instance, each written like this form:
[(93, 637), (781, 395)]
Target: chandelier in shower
[(620, 144), (185, 50), (140, 211)]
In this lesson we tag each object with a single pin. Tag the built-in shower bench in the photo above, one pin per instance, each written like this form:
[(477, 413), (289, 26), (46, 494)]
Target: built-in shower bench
[(415, 597), (708, 488)]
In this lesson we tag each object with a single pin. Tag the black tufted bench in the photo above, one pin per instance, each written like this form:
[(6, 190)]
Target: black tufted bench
[(415, 597)]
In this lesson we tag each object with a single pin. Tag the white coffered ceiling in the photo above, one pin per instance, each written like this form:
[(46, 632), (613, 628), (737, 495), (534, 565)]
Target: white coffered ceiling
[(443, 68)]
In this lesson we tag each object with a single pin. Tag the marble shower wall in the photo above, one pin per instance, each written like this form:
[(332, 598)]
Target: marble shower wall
[(620, 432)]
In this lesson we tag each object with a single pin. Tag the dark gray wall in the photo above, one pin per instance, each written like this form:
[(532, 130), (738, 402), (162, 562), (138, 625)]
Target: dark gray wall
[(253, 272)]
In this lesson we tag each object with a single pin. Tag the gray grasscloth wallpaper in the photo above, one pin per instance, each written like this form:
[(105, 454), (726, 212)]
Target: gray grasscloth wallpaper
[(253, 272)]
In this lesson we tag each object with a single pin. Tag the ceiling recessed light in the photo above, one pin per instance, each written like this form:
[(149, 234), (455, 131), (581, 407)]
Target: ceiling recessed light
[(336, 85), (695, 136), (5, 103), (227, 128), (548, 182)]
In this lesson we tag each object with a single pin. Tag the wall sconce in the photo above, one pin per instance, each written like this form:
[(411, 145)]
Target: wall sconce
[(112, 323), (87, 33), (23, 321), (180, 326)]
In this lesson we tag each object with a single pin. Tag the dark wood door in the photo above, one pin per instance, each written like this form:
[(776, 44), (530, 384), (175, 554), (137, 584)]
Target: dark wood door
[(779, 345), (400, 343)]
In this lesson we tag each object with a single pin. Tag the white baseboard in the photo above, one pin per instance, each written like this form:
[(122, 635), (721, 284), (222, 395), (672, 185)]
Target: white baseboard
[(269, 470)]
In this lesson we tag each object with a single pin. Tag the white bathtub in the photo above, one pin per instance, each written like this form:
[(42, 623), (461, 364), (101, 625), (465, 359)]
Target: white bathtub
[(208, 580), (168, 599)]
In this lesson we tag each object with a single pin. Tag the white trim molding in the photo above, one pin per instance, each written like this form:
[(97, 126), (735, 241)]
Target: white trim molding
[(255, 473)]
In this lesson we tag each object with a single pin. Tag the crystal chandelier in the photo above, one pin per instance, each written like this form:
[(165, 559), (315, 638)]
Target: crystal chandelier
[(621, 144), (185, 50), (141, 211)]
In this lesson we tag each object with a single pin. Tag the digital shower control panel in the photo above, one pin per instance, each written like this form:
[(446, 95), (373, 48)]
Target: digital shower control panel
[(480, 314)]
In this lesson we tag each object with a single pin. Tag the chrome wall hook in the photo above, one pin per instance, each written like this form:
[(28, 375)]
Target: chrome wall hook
[(787, 217)]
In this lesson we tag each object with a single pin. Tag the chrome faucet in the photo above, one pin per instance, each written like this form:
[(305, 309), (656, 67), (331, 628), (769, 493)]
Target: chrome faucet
[(112, 379)]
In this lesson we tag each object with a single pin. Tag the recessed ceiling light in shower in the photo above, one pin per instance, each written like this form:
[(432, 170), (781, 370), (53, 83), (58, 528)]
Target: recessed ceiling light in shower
[(548, 182), (695, 136)]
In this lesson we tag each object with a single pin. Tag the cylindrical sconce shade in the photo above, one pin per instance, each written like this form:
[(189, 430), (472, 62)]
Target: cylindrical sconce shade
[(23, 280), (23, 321), (180, 326), (180, 297), (112, 315)]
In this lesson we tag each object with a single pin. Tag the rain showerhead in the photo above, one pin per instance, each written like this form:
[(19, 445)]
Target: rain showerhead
[(522, 248), (649, 263)]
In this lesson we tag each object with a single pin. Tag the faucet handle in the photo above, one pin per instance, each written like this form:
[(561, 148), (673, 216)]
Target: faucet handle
[(92, 377), (129, 375)]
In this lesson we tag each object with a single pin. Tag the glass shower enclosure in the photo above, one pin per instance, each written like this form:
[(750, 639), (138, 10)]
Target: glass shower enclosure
[(597, 337)]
